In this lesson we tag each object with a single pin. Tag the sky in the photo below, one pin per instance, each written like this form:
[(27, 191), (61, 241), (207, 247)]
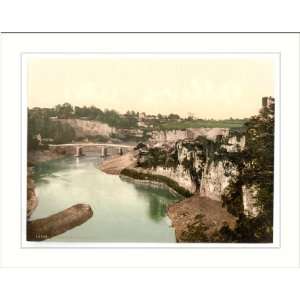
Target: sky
[(206, 87)]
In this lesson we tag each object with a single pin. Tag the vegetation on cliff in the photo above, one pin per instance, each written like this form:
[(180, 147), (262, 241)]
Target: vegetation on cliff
[(157, 156), (198, 153), (110, 117), (40, 125), (131, 119), (256, 168), (255, 165), (156, 178), (250, 167)]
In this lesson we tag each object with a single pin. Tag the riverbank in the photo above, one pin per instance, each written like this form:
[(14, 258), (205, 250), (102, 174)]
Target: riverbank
[(33, 158), (185, 214), (116, 164)]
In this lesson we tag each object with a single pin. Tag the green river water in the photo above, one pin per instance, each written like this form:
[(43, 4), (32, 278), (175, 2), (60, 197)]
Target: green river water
[(123, 211)]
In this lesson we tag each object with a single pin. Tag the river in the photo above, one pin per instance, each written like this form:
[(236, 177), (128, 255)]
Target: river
[(123, 211)]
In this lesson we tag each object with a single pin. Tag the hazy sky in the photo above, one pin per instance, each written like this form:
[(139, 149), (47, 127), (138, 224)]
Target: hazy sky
[(208, 87)]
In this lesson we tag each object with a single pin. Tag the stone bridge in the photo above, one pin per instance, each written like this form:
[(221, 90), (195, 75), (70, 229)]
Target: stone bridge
[(78, 148)]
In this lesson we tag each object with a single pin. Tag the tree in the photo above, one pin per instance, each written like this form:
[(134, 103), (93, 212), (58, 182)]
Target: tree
[(64, 111), (173, 117), (256, 168), (39, 123)]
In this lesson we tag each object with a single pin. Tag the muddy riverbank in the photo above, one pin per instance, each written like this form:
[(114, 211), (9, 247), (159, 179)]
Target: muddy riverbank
[(116, 164), (184, 214)]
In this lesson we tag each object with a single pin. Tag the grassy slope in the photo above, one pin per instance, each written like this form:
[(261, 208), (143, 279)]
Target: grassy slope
[(202, 123)]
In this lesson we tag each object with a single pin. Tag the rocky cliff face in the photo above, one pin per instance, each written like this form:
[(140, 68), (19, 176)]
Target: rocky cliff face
[(203, 165), (178, 174), (170, 136), (160, 137), (85, 128)]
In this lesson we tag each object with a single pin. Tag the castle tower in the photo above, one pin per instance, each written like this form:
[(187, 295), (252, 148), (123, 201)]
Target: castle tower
[(267, 102)]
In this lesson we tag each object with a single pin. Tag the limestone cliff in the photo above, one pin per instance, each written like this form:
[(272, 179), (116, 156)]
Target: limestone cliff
[(204, 165), (170, 136), (85, 128)]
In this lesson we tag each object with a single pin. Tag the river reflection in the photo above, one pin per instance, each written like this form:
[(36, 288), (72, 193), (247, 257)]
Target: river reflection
[(158, 200), (123, 211)]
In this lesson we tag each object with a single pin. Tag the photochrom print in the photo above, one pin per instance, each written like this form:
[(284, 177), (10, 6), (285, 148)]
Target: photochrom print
[(150, 148)]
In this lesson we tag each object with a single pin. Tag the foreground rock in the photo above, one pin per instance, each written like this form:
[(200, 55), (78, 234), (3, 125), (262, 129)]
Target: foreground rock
[(116, 164), (207, 214), (42, 229)]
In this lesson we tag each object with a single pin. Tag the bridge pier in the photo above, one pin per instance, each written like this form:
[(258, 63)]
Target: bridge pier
[(78, 152), (103, 152), (120, 151)]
